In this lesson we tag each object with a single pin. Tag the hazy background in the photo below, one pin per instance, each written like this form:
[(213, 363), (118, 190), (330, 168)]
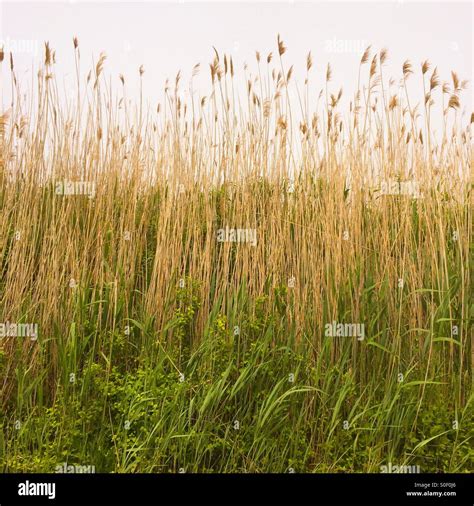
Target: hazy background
[(166, 36)]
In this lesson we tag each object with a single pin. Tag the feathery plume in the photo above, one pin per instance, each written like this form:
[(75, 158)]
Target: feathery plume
[(434, 79), (281, 46), (328, 73), (407, 69), (309, 61), (365, 56)]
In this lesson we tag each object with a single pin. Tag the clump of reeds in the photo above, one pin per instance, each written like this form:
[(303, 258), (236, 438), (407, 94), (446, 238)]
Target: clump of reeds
[(127, 272)]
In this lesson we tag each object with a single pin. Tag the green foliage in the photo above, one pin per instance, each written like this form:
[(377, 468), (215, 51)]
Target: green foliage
[(237, 401)]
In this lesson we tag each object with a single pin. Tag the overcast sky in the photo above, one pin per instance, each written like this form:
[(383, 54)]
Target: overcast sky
[(168, 36)]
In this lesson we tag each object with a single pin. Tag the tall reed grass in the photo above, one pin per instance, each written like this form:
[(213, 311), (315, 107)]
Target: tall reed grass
[(161, 348)]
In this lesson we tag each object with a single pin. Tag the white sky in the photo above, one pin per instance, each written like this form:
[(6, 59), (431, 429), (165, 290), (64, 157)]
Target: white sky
[(175, 35)]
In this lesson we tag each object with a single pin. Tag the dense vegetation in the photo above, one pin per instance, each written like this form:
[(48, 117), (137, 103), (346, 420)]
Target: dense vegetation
[(161, 349)]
